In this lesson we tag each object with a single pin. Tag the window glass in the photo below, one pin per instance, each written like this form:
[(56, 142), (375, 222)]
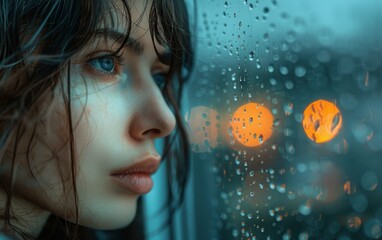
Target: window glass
[(285, 120)]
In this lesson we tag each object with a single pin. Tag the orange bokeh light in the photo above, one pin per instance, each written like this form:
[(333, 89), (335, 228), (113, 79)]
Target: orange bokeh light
[(322, 121), (252, 124)]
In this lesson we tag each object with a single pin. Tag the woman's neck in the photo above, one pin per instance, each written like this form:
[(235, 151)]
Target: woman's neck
[(25, 216)]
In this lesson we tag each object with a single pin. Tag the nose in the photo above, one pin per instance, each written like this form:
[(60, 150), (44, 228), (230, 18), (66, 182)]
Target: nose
[(153, 117)]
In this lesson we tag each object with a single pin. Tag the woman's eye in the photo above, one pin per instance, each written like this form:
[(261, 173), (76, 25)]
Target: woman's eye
[(103, 64), (160, 79)]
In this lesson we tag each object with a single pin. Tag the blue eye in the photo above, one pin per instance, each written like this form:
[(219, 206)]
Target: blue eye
[(160, 79), (103, 64)]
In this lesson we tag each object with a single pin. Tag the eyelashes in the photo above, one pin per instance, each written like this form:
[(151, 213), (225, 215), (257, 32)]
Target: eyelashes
[(109, 66), (106, 67)]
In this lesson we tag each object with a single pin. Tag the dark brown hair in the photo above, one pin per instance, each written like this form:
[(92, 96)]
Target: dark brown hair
[(38, 38)]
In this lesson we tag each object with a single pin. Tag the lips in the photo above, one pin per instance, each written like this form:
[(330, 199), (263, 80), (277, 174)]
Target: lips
[(136, 178)]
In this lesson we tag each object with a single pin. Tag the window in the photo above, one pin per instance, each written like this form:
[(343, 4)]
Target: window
[(285, 118)]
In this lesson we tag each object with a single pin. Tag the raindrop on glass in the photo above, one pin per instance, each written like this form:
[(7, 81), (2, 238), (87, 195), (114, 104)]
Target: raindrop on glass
[(369, 181), (358, 202), (284, 70), (289, 84), (271, 68), (233, 76), (251, 56), (373, 228), (273, 82), (300, 71)]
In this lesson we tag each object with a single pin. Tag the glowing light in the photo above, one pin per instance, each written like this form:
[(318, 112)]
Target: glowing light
[(347, 187), (354, 223), (322, 121), (203, 125), (252, 124)]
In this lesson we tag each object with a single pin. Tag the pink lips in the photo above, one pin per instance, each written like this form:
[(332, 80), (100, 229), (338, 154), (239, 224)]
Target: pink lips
[(137, 177)]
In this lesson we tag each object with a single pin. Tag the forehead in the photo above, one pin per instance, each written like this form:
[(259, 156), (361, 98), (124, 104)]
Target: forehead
[(130, 18), (120, 15)]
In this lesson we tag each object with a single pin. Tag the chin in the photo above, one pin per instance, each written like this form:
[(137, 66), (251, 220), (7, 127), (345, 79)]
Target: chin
[(110, 218)]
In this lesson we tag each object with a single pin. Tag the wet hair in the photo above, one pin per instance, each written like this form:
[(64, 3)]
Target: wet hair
[(38, 39)]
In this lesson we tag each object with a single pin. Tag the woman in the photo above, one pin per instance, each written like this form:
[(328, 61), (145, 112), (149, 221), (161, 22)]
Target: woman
[(86, 86)]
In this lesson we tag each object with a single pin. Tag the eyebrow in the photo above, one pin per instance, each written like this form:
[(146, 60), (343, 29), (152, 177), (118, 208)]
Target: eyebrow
[(119, 37), (131, 43)]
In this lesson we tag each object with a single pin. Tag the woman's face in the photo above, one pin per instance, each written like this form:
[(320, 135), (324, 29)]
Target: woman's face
[(117, 111)]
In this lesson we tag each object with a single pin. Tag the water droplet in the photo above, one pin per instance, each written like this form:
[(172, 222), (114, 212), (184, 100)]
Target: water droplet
[(290, 37), (287, 236), (369, 181), (235, 233), (281, 188), (335, 121), (252, 173), (261, 139), (242, 213), (224, 195), (362, 132), (258, 64), (276, 122), (300, 71), (324, 56), (289, 84), (373, 228), (273, 82), (251, 56), (358, 202), (291, 195), (233, 76), (305, 209), (290, 148), (271, 68), (284, 70), (266, 37), (272, 212), (303, 236)]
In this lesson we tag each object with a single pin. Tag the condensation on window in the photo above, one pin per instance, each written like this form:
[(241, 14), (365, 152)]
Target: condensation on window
[(285, 119)]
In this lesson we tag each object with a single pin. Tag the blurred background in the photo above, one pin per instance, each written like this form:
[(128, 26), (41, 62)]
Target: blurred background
[(284, 111)]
